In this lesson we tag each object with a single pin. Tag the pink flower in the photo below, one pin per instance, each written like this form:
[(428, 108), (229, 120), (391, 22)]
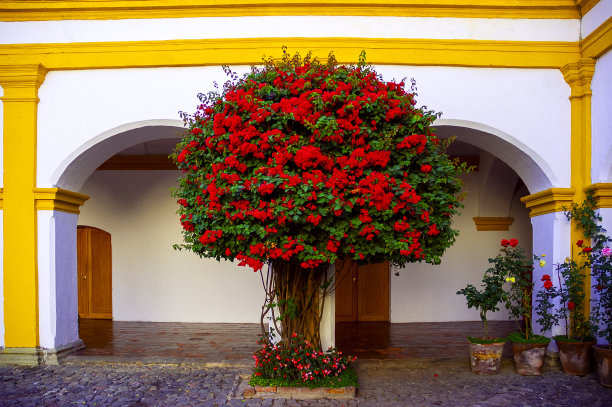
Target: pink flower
[(606, 251)]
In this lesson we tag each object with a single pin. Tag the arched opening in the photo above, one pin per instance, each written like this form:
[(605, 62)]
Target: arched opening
[(423, 299)]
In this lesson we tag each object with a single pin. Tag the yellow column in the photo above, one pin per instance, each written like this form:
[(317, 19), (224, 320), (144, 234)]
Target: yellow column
[(20, 85), (578, 76)]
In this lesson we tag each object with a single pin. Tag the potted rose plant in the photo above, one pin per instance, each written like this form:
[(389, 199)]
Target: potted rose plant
[(575, 347), (599, 259), (529, 350), (486, 352)]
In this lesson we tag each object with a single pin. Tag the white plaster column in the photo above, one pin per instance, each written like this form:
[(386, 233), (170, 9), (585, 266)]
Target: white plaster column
[(328, 319), (1, 281), (57, 280), (551, 236)]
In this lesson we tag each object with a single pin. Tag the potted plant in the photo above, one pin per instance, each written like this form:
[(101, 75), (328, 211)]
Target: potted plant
[(599, 259), (601, 311), (529, 350), (575, 347), (485, 352)]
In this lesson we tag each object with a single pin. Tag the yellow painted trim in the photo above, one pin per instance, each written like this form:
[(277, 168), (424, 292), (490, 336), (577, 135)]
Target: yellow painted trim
[(58, 199), (20, 105), (602, 193), (18, 10), (249, 51), (599, 41), (1, 198), (549, 201), (586, 5), (492, 223)]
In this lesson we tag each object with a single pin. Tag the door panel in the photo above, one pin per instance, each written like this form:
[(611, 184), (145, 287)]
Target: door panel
[(94, 259), (362, 292), (346, 291), (373, 288)]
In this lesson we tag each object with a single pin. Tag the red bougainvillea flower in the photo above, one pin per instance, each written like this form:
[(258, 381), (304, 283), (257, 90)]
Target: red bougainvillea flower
[(307, 162), (571, 306), (586, 250), (513, 242), (579, 243), (505, 242)]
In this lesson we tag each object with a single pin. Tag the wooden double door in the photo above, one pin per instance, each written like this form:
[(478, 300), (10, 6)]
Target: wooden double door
[(362, 292), (94, 273)]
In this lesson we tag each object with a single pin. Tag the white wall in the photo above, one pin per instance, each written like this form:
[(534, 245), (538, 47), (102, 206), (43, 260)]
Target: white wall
[(595, 17), (531, 106), (289, 26), (151, 281), (601, 120), (424, 292)]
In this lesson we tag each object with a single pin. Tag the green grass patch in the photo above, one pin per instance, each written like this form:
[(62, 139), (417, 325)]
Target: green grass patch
[(347, 378), (517, 337), (485, 341), (564, 338)]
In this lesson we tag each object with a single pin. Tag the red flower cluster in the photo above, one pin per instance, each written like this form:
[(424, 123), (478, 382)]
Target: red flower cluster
[(310, 162), (511, 243), (547, 283)]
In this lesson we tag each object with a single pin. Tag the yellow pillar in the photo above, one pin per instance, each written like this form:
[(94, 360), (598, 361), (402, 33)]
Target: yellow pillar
[(578, 76), (20, 85)]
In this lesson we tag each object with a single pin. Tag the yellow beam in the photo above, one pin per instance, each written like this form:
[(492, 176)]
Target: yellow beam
[(20, 84), (18, 10), (548, 201), (249, 51), (599, 41)]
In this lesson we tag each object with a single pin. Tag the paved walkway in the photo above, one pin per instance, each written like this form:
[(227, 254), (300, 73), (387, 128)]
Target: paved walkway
[(387, 383)]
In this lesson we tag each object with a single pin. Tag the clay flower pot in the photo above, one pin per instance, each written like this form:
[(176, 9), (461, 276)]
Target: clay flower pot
[(485, 358), (576, 357), (603, 358), (529, 358)]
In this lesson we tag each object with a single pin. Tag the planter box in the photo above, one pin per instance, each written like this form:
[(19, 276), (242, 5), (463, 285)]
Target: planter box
[(300, 393)]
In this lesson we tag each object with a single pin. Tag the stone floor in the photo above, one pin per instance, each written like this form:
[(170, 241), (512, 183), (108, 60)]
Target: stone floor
[(149, 364), (382, 383)]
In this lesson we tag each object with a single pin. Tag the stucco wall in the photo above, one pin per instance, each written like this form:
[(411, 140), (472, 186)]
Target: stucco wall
[(152, 282), (601, 105), (530, 106), (424, 292)]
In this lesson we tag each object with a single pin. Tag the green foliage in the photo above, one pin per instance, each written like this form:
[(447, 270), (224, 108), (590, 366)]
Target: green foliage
[(488, 298), (484, 341), (344, 379), (307, 162), (520, 338)]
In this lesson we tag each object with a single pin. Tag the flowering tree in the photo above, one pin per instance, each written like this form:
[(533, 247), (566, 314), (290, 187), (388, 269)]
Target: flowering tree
[(300, 163)]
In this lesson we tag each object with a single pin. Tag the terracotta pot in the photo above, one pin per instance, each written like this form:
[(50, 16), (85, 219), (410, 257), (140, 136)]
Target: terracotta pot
[(576, 357), (529, 358), (603, 358), (485, 358)]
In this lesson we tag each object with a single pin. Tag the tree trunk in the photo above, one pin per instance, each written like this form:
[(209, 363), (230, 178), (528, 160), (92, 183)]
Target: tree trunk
[(298, 292)]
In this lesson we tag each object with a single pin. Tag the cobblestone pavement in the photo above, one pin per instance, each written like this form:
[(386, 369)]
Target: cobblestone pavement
[(381, 384)]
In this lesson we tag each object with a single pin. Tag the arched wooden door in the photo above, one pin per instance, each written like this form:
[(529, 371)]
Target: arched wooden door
[(362, 292), (94, 273)]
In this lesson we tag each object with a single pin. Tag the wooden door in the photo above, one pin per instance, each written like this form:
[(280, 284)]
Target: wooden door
[(362, 292), (94, 273)]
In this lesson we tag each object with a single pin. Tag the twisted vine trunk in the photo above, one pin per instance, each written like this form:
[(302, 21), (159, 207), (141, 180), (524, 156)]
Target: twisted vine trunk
[(298, 295)]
